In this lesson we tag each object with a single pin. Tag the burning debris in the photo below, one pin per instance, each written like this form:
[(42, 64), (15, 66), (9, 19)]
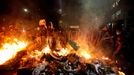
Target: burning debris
[(53, 53), (72, 64)]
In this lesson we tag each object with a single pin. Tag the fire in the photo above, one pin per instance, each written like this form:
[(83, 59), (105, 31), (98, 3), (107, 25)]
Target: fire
[(64, 52), (105, 58), (46, 50), (84, 50), (9, 50), (85, 54), (121, 73), (35, 54)]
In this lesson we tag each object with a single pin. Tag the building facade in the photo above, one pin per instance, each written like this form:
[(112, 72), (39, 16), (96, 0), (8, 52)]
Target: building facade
[(122, 10)]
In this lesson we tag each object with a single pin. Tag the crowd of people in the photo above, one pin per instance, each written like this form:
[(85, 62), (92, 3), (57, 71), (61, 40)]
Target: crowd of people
[(43, 34), (48, 35), (121, 36)]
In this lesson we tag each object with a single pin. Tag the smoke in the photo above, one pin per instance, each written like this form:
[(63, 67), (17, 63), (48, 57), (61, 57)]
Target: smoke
[(85, 13), (88, 14), (92, 13)]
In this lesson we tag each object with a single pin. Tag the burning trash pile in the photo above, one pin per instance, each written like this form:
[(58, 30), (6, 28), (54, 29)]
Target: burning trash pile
[(71, 65), (55, 54), (72, 60)]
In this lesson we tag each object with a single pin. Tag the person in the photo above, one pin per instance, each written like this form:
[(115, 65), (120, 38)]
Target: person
[(119, 38), (49, 29), (42, 27), (41, 33)]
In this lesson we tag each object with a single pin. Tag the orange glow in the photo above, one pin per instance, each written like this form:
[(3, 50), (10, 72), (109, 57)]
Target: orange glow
[(85, 54), (9, 50), (46, 50), (121, 73), (36, 54), (63, 52), (105, 58)]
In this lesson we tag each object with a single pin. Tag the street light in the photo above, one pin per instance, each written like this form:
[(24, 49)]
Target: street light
[(25, 10)]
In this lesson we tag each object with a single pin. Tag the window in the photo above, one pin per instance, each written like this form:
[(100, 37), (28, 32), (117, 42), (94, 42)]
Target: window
[(113, 16), (113, 5), (116, 3), (118, 12)]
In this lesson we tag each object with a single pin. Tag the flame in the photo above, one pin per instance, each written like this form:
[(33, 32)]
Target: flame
[(35, 54), (85, 54), (9, 50), (84, 50), (46, 50), (63, 52), (105, 58), (121, 73)]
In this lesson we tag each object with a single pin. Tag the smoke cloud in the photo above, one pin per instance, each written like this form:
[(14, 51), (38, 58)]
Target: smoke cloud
[(88, 14)]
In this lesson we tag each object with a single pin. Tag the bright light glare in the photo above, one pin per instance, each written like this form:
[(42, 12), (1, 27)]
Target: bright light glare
[(25, 10)]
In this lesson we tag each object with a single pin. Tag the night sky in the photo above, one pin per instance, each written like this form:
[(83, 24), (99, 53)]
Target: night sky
[(3, 7), (38, 9), (41, 6), (44, 5), (80, 10)]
